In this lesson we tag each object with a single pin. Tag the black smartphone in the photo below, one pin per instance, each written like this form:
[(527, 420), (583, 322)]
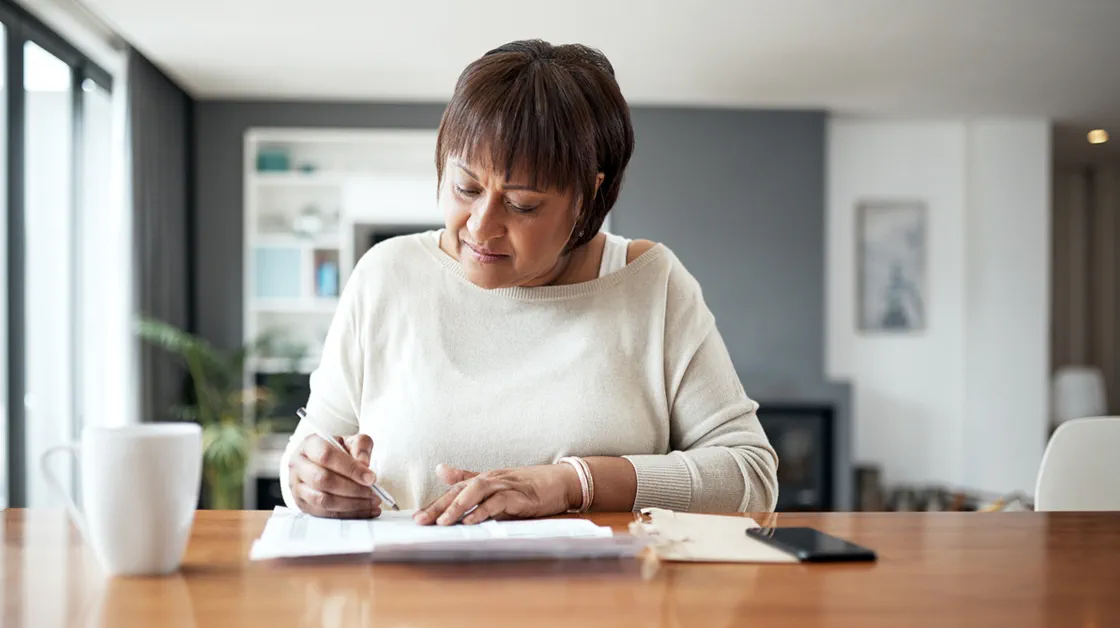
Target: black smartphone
[(811, 545)]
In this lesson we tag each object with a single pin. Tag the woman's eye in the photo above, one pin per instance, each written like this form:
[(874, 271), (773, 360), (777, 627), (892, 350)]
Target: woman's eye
[(522, 209), (466, 192)]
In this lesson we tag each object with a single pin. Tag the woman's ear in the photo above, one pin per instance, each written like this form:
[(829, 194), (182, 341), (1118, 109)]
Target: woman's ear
[(598, 182)]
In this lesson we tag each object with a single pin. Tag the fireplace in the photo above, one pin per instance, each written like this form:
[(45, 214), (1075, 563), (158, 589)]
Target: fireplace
[(804, 435)]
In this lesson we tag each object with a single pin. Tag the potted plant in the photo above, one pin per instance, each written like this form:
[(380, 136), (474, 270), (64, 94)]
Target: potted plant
[(232, 414)]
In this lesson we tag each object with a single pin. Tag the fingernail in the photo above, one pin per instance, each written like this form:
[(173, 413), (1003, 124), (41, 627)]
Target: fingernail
[(444, 519), (420, 517), (368, 477)]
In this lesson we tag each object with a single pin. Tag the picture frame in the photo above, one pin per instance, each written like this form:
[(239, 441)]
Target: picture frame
[(891, 266)]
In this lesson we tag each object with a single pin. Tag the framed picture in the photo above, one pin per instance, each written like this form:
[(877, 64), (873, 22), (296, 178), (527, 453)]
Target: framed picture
[(891, 266)]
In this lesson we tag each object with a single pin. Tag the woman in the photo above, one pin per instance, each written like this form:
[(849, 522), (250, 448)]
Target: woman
[(574, 369)]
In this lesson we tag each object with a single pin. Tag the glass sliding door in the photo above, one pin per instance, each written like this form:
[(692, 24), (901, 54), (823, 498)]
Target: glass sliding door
[(97, 291), (55, 148), (48, 264)]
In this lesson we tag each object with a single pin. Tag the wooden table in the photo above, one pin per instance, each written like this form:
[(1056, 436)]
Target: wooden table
[(944, 570)]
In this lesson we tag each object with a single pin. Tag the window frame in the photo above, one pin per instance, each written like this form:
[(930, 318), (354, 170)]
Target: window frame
[(21, 27)]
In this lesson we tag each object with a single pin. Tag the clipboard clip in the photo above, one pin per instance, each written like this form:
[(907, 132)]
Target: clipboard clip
[(657, 542)]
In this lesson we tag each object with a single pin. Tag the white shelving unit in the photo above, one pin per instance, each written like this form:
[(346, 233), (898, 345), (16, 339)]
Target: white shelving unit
[(360, 184), (354, 183)]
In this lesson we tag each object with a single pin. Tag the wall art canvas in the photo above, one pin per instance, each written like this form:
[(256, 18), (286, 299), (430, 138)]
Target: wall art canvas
[(891, 272)]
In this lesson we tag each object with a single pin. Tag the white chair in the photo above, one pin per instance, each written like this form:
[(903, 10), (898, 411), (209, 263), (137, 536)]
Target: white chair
[(1081, 467)]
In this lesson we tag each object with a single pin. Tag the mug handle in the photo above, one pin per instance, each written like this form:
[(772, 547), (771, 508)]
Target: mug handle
[(71, 508)]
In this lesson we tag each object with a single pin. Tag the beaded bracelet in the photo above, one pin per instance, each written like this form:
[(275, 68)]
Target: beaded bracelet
[(586, 483)]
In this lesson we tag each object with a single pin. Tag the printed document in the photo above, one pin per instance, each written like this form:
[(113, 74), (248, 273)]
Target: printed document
[(395, 536)]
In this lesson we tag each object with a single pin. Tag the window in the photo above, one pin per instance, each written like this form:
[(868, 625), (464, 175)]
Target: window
[(55, 117), (3, 272)]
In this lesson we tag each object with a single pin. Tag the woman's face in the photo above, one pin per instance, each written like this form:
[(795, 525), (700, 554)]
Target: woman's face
[(504, 233)]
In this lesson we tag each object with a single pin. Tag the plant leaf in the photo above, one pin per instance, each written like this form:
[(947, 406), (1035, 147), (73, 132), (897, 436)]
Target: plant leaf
[(176, 341), (184, 413), (226, 447), (220, 395)]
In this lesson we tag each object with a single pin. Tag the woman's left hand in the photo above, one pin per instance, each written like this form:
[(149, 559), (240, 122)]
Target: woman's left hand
[(537, 491)]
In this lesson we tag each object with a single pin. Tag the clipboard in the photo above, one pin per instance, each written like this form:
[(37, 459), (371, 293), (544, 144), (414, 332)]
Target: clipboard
[(687, 537)]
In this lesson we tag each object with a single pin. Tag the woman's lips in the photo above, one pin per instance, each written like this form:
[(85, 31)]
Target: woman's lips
[(484, 256)]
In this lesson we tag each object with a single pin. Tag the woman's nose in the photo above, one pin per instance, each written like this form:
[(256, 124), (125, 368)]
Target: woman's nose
[(485, 222)]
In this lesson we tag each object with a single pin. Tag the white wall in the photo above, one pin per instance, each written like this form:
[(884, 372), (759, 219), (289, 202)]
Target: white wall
[(1008, 303), (908, 391), (921, 399)]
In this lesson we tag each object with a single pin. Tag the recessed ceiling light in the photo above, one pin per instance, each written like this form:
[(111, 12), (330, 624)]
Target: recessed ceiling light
[(1098, 136)]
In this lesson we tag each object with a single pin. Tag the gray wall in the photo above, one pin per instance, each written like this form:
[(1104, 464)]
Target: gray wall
[(739, 197), (737, 194)]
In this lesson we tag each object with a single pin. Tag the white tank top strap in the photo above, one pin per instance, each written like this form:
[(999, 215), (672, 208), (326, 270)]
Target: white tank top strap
[(614, 254)]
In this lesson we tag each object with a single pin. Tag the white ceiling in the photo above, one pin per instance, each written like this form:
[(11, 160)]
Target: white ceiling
[(1056, 58)]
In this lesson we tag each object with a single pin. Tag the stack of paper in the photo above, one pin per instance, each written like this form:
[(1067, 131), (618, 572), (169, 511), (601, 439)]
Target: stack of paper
[(395, 536)]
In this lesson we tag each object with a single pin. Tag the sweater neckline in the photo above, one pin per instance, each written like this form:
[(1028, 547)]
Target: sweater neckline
[(430, 242)]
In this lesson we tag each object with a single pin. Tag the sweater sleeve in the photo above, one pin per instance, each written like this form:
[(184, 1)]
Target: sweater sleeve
[(336, 385), (720, 458)]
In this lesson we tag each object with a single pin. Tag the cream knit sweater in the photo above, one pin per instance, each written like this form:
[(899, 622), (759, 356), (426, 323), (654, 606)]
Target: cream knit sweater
[(436, 369)]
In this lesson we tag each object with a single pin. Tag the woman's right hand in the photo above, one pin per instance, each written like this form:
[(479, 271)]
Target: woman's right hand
[(326, 482)]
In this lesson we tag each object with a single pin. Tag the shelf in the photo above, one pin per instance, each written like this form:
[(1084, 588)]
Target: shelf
[(344, 137), (295, 306), (294, 241), (284, 365), (295, 178), (265, 463)]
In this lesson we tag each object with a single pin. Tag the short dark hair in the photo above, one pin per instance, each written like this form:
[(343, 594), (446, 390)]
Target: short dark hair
[(555, 111)]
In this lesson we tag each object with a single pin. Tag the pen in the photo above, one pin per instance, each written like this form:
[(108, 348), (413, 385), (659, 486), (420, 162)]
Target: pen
[(382, 493)]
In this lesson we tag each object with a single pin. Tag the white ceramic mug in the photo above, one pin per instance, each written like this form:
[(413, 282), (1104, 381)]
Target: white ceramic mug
[(140, 488)]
